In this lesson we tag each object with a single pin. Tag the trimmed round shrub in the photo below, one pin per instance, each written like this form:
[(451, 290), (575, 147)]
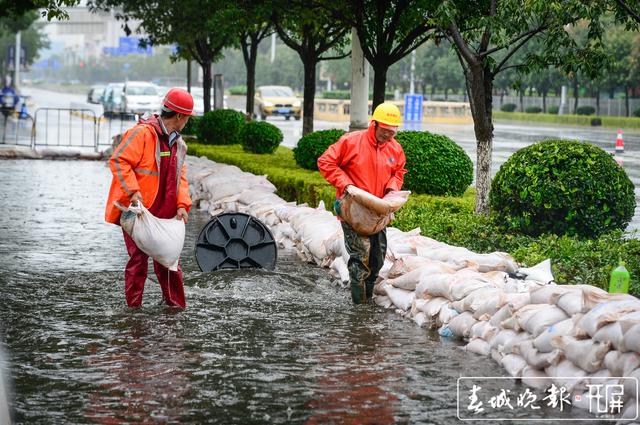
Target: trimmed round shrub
[(596, 122), (436, 165), (508, 107), (636, 113), (260, 137), (562, 187), (553, 109), (220, 127), (311, 146), (585, 110), (191, 129), (533, 110)]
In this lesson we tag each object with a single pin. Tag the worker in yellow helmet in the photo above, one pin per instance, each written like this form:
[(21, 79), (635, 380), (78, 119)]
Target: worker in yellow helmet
[(374, 161)]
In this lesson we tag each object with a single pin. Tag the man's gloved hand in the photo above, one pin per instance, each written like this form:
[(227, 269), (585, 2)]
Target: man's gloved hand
[(135, 198)]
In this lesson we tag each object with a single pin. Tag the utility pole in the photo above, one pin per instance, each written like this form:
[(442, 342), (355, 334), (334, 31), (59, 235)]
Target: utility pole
[(412, 75), (16, 79), (273, 47), (359, 107)]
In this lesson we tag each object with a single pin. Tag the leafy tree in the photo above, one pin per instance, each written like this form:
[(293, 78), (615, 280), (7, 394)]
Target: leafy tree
[(199, 35), (32, 37), (627, 9), (254, 27), (388, 31), (49, 8), (487, 35), (312, 33)]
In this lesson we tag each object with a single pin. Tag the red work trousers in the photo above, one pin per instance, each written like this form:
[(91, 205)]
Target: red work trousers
[(135, 275)]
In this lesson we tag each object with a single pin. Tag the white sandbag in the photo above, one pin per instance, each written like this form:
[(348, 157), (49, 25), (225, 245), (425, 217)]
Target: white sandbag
[(409, 280), (478, 346), (572, 302), (433, 306), (399, 297), (496, 356), (478, 298), (509, 345), (631, 385), (517, 320), (420, 319), (383, 301), (446, 314), (160, 238), (461, 324), (340, 268), (501, 315), (587, 354), (631, 338), (485, 306), (543, 341), (541, 272), (542, 319), (565, 374), (534, 378), (621, 364), (501, 338), (484, 330), (604, 313), (513, 364), (543, 294), (461, 287), (434, 285), (417, 305), (533, 357)]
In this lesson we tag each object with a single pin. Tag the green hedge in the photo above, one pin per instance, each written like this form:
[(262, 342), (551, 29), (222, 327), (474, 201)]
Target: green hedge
[(612, 122), (311, 146), (237, 90), (451, 220), (220, 127)]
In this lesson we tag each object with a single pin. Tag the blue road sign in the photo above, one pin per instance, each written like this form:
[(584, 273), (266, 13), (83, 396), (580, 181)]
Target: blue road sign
[(413, 107)]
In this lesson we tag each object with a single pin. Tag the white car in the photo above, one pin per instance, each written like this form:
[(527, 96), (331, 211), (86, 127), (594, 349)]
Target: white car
[(198, 99), (140, 97)]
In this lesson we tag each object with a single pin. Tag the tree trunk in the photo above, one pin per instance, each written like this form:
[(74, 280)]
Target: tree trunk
[(626, 101), (544, 101), (433, 91), (479, 85), (250, 54), (446, 94), (206, 84), (576, 95), (309, 93), (597, 101), (521, 94), (379, 83)]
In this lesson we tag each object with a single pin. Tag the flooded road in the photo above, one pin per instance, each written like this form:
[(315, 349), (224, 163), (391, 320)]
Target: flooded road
[(252, 346)]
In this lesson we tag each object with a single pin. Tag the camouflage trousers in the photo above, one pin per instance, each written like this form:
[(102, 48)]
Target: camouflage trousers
[(366, 257)]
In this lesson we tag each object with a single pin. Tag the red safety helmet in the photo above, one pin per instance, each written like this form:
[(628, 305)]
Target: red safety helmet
[(179, 100)]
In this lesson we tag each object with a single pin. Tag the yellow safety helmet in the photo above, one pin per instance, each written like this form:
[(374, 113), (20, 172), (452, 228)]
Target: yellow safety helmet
[(387, 113)]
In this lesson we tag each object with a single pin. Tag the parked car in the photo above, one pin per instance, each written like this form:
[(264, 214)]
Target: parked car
[(140, 97), (95, 94), (112, 100), (276, 100)]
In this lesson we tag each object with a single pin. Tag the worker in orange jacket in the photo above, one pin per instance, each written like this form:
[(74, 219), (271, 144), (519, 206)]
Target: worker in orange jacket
[(148, 167), (374, 161)]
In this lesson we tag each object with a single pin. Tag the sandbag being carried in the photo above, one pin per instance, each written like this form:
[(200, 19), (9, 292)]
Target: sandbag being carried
[(366, 213), (160, 238)]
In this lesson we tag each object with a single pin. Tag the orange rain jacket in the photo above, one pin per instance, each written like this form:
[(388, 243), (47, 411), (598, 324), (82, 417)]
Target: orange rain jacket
[(358, 159), (135, 165)]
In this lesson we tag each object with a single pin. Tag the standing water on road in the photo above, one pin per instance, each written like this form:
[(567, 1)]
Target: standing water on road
[(252, 346)]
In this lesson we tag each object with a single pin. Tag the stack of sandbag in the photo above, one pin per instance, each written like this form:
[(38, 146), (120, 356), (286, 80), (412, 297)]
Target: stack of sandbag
[(573, 334)]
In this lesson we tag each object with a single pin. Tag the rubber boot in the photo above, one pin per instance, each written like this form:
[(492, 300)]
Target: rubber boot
[(369, 290), (358, 293)]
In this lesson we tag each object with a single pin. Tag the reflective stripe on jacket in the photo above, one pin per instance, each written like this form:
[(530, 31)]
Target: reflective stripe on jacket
[(135, 164), (357, 158)]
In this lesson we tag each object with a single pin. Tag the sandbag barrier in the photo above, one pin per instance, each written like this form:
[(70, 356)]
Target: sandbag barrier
[(517, 316)]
